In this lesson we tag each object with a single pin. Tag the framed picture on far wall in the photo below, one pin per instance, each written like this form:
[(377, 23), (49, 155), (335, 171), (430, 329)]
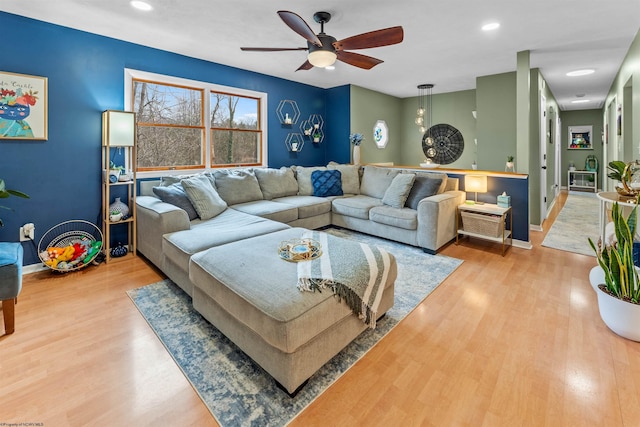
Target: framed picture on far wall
[(580, 138), (23, 107)]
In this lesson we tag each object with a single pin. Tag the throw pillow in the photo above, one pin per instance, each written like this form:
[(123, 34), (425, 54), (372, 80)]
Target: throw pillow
[(376, 180), (327, 183), (276, 183), (423, 186), (303, 175), (237, 186), (203, 196), (397, 193), (174, 194), (350, 177)]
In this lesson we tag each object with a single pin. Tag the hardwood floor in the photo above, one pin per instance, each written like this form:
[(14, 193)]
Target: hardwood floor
[(504, 341)]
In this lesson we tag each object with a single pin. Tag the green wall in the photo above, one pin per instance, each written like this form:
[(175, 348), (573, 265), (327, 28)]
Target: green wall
[(496, 124), (626, 92), (578, 157), (455, 109), (367, 107), (405, 140)]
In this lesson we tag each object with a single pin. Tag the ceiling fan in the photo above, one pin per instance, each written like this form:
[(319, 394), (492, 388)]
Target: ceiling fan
[(324, 49)]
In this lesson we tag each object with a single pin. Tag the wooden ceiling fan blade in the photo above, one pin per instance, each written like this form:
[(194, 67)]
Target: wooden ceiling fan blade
[(297, 24), (271, 49), (358, 60), (378, 38), (306, 66)]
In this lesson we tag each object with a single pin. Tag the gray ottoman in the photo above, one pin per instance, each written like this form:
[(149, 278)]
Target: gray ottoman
[(246, 291)]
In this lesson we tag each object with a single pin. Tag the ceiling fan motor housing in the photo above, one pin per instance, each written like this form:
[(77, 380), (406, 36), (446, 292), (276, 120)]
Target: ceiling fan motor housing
[(327, 43)]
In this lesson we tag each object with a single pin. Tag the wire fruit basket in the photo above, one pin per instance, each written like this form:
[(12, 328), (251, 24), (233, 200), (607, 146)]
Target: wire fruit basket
[(70, 245)]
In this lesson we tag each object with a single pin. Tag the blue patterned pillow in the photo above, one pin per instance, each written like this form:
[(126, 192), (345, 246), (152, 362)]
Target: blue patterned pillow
[(327, 183)]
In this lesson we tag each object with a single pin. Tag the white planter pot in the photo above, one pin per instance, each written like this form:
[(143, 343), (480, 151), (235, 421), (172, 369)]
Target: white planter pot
[(621, 317)]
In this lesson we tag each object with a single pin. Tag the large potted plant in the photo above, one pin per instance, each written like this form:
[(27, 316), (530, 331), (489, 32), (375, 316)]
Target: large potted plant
[(615, 278), (5, 192)]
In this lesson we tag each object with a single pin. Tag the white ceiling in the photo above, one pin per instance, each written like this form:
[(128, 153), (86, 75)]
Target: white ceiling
[(443, 43)]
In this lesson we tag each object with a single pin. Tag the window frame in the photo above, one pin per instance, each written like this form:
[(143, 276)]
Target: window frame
[(131, 74)]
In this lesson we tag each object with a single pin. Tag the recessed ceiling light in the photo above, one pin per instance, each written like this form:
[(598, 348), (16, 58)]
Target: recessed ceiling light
[(491, 26), (580, 101), (584, 72), (141, 5)]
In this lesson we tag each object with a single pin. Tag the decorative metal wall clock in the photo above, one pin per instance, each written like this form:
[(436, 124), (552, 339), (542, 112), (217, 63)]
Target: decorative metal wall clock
[(442, 144)]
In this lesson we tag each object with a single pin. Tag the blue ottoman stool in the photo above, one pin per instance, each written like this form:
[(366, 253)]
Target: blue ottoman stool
[(10, 281)]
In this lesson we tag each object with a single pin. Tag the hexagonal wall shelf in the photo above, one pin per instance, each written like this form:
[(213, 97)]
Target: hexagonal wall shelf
[(288, 112)]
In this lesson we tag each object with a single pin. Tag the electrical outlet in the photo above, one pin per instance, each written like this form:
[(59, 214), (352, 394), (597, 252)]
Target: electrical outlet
[(27, 232)]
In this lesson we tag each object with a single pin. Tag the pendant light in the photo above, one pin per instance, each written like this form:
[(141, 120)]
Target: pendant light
[(424, 107)]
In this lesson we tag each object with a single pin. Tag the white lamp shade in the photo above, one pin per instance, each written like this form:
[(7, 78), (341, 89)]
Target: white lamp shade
[(475, 183), (322, 58), (118, 128)]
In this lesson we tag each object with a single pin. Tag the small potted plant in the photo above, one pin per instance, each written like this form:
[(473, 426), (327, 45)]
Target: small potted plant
[(5, 193), (316, 136), (615, 278), (509, 166)]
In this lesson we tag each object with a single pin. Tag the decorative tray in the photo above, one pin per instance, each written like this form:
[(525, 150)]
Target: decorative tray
[(296, 250)]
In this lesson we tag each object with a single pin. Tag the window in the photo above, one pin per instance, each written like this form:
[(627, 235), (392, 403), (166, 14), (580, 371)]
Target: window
[(170, 126), (173, 116), (236, 138)]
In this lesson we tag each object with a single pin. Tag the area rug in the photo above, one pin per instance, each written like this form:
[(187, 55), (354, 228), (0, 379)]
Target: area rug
[(577, 221), (236, 390)]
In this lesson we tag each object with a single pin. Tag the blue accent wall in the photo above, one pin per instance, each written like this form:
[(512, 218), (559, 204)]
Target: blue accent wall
[(339, 115), (86, 76)]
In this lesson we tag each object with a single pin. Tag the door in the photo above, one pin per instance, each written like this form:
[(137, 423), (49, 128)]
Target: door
[(557, 147), (543, 159), (611, 149)]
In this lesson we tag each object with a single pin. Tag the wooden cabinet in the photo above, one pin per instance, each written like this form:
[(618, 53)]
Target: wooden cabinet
[(119, 143)]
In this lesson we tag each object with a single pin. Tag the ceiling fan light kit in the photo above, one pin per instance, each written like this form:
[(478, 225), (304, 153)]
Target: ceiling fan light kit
[(325, 50)]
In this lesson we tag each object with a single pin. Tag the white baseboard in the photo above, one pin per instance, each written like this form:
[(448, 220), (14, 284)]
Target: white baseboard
[(33, 268), (522, 244)]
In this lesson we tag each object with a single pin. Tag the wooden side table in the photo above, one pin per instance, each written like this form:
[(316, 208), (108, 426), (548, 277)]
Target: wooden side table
[(487, 221)]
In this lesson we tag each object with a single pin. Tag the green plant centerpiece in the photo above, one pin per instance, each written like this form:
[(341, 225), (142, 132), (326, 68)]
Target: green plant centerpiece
[(623, 172), (615, 278), (621, 276), (5, 193)]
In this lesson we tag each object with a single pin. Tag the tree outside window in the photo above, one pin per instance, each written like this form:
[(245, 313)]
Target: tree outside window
[(236, 138), (171, 124)]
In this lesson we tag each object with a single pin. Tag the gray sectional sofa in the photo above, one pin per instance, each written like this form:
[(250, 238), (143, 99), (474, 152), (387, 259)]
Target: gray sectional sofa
[(187, 223), (261, 201)]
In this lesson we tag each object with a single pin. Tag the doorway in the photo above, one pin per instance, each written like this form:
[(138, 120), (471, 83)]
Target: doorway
[(543, 158)]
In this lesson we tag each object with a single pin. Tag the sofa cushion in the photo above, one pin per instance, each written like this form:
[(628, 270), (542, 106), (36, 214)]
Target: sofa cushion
[(276, 182), (203, 196), (237, 186), (350, 177), (303, 175), (397, 193), (326, 183), (423, 186), (402, 218), (376, 180), (308, 206), (269, 209), (175, 195), (230, 226), (357, 206)]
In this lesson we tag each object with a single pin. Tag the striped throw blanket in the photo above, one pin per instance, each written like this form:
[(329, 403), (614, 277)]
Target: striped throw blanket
[(355, 272)]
